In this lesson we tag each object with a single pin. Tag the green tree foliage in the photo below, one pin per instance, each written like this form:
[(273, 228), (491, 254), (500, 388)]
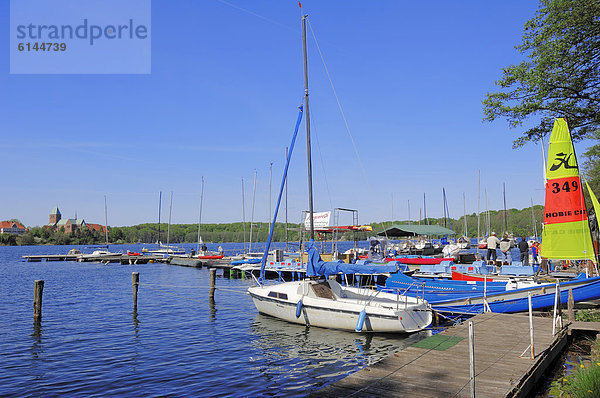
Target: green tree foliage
[(591, 165), (560, 76), (520, 223)]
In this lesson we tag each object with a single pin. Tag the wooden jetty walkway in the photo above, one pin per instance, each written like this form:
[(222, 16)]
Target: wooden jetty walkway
[(113, 258), (439, 366)]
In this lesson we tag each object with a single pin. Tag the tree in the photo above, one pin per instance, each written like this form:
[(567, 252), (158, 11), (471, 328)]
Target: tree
[(560, 76), (591, 165)]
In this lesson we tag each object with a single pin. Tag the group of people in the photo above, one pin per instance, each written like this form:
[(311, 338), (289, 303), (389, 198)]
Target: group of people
[(204, 249), (494, 243)]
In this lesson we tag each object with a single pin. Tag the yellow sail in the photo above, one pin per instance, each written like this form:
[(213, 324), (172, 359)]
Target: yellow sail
[(566, 234), (594, 200)]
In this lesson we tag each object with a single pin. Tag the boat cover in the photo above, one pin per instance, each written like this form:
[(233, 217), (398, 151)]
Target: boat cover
[(317, 267)]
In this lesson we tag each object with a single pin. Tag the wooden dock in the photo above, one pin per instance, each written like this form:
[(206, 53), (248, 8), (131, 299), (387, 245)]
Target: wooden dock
[(105, 259), (439, 366)]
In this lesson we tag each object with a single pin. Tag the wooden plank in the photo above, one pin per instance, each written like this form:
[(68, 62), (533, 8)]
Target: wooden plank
[(500, 339)]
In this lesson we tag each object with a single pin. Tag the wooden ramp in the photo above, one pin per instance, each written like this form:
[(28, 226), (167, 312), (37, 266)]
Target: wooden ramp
[(439, 365)]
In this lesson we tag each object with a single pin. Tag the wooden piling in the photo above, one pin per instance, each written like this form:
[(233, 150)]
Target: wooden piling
[(38, 289), (135, 281), (212, 278), (571, 306)]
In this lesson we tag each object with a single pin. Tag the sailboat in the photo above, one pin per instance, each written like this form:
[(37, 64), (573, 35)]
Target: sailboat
[(323, 302), (167, 250)]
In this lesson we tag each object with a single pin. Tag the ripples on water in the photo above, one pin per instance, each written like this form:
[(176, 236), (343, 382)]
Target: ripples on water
[(90, 342)]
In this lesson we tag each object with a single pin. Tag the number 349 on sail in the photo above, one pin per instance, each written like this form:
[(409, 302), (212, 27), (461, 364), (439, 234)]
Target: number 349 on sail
[(564, 201)]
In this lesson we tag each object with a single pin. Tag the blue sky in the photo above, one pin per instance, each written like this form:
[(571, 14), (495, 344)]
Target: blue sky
[(221, 102)]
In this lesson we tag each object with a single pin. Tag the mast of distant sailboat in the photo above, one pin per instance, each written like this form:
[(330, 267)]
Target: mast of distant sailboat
[(465, 214), (159, 208), (105, 221), (252, 213), (200, 214), (169, 224), (243, 215)]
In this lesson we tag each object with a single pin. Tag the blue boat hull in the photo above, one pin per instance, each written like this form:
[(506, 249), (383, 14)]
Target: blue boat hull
[(517, 300)]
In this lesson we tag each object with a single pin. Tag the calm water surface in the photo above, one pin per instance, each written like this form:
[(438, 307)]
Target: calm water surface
[(179, 343)]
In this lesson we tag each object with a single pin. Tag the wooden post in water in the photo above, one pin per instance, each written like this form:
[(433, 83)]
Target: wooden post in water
[(472, 358), (211, 281), (38, 289), (571, 306), (135, 281)]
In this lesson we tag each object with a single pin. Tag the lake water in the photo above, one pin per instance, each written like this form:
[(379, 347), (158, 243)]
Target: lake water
[(179, 343)]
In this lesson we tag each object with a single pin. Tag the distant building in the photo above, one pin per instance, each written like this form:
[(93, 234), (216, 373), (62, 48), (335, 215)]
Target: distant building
[(70, 225), (96, 227), (54, 216), (10, 227)]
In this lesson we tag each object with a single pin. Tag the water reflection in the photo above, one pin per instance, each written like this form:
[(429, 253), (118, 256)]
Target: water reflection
[(212, 315), (136, 324), (299, 353), (36, 346)]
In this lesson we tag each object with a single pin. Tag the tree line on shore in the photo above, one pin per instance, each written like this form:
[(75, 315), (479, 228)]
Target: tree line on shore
[(518, 222)]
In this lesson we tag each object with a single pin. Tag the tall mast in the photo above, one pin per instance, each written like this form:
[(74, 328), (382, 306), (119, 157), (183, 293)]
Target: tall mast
[(159, 207), (243, 215), (534, 229), (543, 159), (487, 213), (409, 221), (465, 214), (425, 221), (270, 174), (444, 206), (169, 224), (200, 215), (478, 208), (105, 221), (252, 213), (286, 206), (505, 214), (310, 194)]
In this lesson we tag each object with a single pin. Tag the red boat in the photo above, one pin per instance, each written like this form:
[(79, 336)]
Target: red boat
[(211, 257), (459, 276), (133, 253), (419, 261)]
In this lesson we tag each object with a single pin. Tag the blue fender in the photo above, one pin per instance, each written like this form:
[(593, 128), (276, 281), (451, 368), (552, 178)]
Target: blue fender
[(299, 309), (361, 321)]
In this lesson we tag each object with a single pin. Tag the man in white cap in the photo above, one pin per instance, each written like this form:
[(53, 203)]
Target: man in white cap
[(492, 245)]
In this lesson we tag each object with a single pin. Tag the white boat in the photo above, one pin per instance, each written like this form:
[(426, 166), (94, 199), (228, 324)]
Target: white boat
[(324, 302), (167, 250), (327, 304)]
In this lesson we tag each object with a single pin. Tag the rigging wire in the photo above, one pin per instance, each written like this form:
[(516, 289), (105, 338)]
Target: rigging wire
[(321, 158), (340, 107)]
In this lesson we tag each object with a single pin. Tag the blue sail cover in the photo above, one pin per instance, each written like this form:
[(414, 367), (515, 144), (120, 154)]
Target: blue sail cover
[(317, 267)]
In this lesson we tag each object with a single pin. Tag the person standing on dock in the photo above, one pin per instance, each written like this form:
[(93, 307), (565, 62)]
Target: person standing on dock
[(535, 250), (492, 245), (505, 249), (524, 249)]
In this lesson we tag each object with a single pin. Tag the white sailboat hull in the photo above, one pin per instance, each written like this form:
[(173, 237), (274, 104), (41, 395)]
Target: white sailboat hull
[(330, 305)]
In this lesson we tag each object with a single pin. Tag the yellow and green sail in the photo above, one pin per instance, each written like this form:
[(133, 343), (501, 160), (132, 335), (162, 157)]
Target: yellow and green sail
[(566, 234)]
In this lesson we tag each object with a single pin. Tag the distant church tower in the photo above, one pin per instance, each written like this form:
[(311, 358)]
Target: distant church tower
[(54, 216)]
